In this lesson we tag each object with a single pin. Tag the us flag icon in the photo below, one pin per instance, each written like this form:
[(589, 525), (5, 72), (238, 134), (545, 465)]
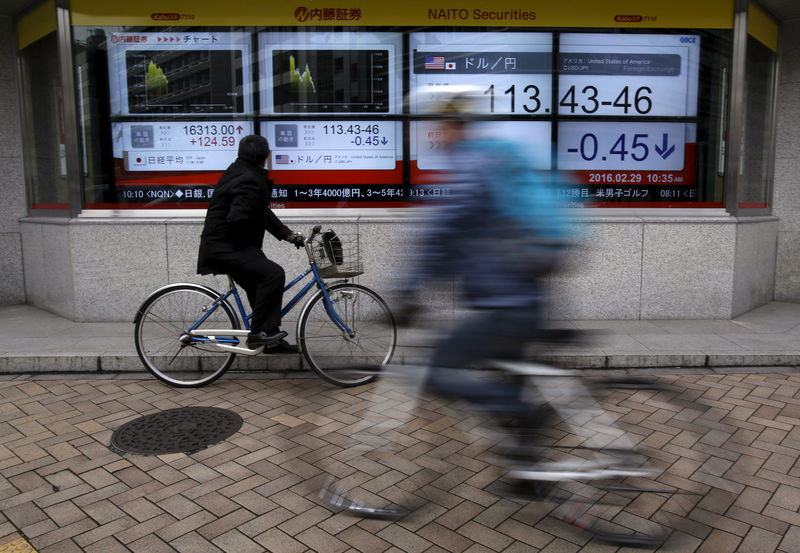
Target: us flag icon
[(434, 62)]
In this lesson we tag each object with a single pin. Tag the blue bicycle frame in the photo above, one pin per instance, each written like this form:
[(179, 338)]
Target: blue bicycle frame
[(234, 291)]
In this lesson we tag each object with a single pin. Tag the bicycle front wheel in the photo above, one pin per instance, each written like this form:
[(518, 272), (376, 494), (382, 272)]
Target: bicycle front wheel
[(340, 357), (161, 335)]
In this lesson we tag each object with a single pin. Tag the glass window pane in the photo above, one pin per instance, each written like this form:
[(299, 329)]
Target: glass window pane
[(45, 147), (629, 119), (756, 178)]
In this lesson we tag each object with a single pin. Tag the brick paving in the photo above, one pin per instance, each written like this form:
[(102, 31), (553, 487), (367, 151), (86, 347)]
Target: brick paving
[(733, 439)]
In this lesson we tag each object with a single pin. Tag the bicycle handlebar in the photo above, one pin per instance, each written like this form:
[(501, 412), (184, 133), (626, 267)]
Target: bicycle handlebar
[(314, 231)]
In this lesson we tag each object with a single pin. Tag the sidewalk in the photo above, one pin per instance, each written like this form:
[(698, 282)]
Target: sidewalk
[(731, 440), (36, 341)]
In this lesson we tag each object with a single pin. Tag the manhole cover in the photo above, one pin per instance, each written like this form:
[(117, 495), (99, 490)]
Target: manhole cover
[(182, 430)]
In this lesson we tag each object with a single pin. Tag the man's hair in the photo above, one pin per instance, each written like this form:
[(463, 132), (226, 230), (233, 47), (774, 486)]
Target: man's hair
[(254, 149)]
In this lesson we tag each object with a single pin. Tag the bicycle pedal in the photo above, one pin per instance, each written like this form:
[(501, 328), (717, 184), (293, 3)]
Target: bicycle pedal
[(380, 513), (338, 499)]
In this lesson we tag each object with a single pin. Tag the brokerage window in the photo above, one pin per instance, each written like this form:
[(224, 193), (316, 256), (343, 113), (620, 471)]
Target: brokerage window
[(628, 118), (332, 103)]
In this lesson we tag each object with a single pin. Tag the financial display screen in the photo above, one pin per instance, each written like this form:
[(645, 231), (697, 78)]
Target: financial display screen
[(178, 146), (341, 161), (184, 81), (351, 116), (331, 81), (628, 75), (169, 162), (596, 76), (621, 146), (510, 73), (180, 73), (532, 137), (327, 73), (327, 145)]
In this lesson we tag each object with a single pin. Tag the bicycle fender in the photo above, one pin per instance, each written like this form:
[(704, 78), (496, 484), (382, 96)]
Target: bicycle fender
[(140, 311), (329, 286)]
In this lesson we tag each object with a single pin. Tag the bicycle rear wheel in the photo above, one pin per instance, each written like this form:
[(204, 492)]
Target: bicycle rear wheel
[(335, 355), (161, 328)]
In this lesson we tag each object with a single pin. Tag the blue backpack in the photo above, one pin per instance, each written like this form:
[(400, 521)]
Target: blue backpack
[(523, 196)]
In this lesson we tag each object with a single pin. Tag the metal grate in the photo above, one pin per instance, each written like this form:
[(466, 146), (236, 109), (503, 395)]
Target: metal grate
[(337, 255), (182, 430)]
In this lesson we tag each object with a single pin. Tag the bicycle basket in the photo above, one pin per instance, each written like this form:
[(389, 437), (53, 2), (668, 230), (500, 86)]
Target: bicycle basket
[(337, 256)]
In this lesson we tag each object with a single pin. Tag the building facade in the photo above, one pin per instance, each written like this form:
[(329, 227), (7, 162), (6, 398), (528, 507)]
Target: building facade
[(676, 123)]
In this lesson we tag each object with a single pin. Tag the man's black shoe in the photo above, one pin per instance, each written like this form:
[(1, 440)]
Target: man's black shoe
[(264, 338), (282, 347)]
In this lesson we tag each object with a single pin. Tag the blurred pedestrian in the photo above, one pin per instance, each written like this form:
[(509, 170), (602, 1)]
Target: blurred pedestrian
[(500, 232)]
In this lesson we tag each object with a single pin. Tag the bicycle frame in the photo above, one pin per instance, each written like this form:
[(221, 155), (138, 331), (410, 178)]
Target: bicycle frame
[(226, 339)]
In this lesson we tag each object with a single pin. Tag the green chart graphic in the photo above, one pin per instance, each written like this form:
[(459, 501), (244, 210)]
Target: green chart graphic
[(303, 81), (155, 81)]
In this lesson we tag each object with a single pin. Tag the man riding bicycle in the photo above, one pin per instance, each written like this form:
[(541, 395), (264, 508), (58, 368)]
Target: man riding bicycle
[(233, 235)]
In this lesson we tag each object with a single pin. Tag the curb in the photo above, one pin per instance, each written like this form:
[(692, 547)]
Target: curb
[(115, 364)]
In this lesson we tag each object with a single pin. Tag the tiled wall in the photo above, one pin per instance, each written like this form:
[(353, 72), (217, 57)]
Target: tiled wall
[(668, 268), (12, 201), (787, 166)]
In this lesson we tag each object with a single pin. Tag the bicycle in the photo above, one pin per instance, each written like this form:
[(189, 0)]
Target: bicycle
[(608, 473), (188, 335), (595, 486)]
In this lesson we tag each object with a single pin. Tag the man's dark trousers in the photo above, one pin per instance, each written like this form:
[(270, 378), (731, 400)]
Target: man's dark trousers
[(262, 280)]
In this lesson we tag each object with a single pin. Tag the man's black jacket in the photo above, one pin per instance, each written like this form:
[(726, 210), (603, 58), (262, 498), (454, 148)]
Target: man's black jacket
[(238, 216)]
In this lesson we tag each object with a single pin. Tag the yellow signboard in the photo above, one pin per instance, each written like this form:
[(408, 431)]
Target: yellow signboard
[(761, 26), (707, 14), (36, 24)]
